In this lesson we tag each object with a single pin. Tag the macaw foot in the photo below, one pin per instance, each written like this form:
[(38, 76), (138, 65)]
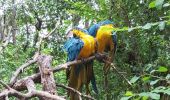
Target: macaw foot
[(83, 61), (98, 57)]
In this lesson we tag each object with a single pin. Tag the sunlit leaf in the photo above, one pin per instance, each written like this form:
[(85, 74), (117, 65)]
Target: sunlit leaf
[(147, 26), (152, 4), (159, 89), (158, 4), (154, 96), (166, 5), (145, 98), (146, 78), (144, 94), (153, 82), (168, 76), (134, 79), (162, 69), (161, 25), (167, 91), (129, 93), (125, 98)]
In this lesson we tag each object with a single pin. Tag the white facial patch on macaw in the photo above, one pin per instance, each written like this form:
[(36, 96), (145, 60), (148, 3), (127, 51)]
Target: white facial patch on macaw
[(69, 34)]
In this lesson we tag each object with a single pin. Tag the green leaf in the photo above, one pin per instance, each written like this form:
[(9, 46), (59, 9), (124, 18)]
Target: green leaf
[(150, 94), (125, 98), (159, 3), (147, 26), (152, 4), (146, 78), (153, 82), (144, 94), (168, 76), (129, 93), (145, 98), (166, 5), (134, 79), (154, 96), (159, 89), (162, 69), (161, 25), (167, 91)]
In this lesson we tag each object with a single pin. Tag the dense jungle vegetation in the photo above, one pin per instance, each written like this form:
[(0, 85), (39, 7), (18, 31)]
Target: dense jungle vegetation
[(143, 49)]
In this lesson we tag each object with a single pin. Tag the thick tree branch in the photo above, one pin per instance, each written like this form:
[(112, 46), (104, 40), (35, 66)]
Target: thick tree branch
[(33, 93), (47, 77), (36, 77)]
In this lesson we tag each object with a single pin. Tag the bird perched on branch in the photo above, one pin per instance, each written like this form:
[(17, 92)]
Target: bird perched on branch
[(106, 39), (80, 46)]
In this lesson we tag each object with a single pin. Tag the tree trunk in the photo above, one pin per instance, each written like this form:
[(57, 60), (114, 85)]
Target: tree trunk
[(47, 77), (13, 20)]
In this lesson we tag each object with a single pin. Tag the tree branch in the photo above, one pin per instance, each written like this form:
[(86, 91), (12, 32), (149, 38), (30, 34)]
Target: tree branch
[(113, 66), (36, 77), (33, 93), (20, 69)]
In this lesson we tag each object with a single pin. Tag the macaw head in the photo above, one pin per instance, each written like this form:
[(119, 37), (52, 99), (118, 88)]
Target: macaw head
[(76, 32)]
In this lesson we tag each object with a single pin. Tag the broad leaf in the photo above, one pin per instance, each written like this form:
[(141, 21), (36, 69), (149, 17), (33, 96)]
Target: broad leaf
[(152, 4), (167, 91), (159, 3), (146, 78), (153, 82), (134, 79), (154, 96), (162, 69), (147, 26), (125, 98), (129, 93), (161, 25), (168, 76), (166, 5)]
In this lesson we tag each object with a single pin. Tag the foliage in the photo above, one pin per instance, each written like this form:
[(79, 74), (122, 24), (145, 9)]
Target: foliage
[(143, 52)]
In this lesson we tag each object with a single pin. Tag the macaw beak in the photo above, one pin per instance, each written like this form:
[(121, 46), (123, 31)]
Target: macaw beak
[(69, 34)]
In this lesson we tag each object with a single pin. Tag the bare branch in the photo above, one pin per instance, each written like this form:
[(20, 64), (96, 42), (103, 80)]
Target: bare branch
[(113, 66), (6, 86), (33, 93), (46, 36), (56, 26), (36, 77), (20, 69)]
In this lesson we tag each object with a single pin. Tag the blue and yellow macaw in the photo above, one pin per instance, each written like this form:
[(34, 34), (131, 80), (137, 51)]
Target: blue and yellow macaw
[(106, 39), (78, 47)]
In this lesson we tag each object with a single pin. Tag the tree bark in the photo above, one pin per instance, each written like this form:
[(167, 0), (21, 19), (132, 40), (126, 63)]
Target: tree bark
[(13, 20), (47, 77)]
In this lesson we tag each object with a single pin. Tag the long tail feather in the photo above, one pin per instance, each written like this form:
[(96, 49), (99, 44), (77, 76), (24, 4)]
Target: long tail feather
[(93, 82), (92, 76)]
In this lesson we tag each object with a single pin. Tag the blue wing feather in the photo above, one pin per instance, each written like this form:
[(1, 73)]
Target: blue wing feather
[(93, 29), (73, 47), (114, 38)]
